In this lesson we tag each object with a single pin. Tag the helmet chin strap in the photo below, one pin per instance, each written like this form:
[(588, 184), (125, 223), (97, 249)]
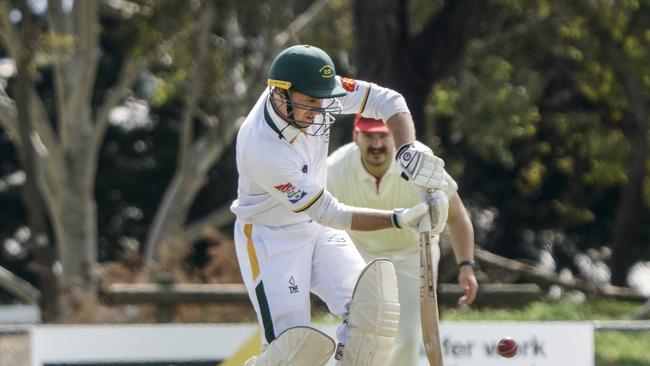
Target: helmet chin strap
[(276, 109), (288, 102)]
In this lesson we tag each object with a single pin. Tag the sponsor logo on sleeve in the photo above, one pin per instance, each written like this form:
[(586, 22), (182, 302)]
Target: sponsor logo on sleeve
[(348, 84), (293, 194)]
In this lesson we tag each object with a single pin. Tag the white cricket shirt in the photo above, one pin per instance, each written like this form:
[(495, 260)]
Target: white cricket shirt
[(282, 170)]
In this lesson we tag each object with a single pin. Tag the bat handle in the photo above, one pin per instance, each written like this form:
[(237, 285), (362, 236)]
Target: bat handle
[(424, 226)]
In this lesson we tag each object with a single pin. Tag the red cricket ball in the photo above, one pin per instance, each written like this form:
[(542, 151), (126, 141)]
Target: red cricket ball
[(507, 347)]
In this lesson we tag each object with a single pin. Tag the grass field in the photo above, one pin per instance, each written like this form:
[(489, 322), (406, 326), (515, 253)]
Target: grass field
[(613, 348)]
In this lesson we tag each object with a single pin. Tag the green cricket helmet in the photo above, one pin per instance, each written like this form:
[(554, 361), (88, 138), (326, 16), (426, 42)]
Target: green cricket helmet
[(310, 71), (307, 70)]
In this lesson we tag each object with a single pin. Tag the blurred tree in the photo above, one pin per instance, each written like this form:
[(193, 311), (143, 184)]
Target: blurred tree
[(129, 110), (68, 122), (538, 122), (43, 263), (236, 74), (410, 45), (619, 40)]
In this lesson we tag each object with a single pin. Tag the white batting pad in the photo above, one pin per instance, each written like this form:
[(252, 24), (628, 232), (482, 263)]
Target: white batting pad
[(373, 317), (297, 346)]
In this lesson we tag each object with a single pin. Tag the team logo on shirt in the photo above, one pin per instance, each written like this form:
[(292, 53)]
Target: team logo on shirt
[(293, 288), (338, 240), (293, 194), (348, 84), (305, 168)]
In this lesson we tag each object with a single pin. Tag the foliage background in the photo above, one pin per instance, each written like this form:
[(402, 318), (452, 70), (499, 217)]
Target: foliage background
[(539, 109)]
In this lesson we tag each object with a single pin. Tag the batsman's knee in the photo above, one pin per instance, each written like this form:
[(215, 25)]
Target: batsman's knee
[(373, 318)]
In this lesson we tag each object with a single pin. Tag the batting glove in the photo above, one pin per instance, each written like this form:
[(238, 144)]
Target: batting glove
[(420, 166), (439, 206), (409, 217)]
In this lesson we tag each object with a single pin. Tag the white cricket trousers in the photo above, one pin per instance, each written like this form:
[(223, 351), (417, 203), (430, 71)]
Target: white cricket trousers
[(280, 265)]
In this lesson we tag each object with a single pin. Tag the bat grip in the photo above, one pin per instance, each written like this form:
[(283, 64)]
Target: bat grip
[(424, 226)]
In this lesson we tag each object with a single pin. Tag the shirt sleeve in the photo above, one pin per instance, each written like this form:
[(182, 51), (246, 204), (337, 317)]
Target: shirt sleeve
[(371, 100), (282, 177)]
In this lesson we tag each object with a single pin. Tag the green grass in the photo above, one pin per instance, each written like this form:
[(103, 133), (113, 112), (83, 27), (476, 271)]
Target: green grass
[(615, 348), (564, 310)]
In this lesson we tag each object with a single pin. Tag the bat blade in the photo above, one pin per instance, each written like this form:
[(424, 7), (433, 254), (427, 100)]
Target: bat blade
[(429, 303)]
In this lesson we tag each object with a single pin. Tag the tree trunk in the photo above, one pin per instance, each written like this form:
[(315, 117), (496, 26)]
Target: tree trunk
[(74, 216), (381, 41), (42, 265), (630, 206), (77, 232), (389, 55)]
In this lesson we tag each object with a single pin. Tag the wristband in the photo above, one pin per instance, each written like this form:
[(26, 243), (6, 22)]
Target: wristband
[(393, 219), (470, 263)]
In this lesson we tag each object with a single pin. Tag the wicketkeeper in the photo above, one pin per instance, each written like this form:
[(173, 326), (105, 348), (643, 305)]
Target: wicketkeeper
[(364, 173)]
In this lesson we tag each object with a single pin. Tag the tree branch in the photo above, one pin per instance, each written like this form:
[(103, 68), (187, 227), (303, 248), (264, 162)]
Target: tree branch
[(196, 87), (183, 173), (58, 26), (9, 118), (300, 22), (87, 21), (18, 287), (129, 73), (7, 32)]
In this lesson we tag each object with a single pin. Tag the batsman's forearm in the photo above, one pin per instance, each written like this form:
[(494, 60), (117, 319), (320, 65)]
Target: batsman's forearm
[(402, 128), (367, 219), (460, 229)]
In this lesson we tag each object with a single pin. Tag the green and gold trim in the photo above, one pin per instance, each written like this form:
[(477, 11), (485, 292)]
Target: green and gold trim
[(308, 205), (365, 100), (262, 301)]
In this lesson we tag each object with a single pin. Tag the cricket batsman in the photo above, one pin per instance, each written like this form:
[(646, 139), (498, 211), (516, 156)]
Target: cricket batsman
[(290, 231)]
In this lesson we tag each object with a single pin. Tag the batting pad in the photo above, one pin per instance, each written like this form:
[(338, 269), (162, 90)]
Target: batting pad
[(297, 346), (373, 317)]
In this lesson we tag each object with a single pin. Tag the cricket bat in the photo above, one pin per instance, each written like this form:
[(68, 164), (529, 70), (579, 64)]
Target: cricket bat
[(428, 297)]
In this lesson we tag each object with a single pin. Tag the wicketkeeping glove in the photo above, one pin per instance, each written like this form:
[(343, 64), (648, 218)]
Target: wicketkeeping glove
[(421, 167), (409, 217)]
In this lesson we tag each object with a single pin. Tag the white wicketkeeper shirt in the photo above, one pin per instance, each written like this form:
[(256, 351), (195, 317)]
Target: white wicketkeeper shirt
[(282, 171), (351, 184)]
